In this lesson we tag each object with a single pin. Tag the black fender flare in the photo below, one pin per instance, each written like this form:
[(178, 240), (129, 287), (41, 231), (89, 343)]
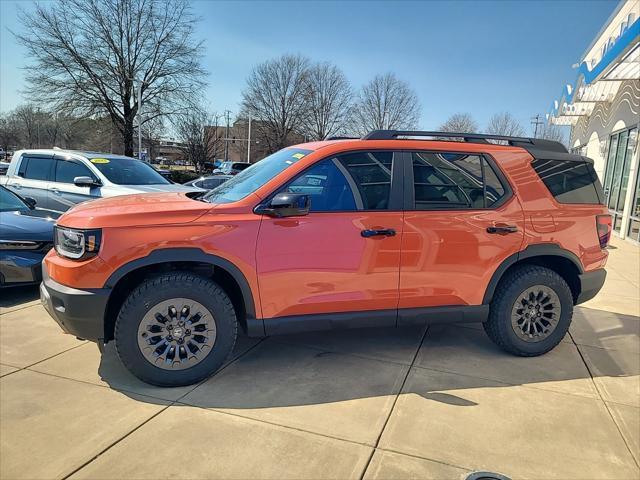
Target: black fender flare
[(166, 255), (540, 250)]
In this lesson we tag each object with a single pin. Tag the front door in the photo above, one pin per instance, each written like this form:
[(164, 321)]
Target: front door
[(344, 256), (63, 193), (461, 222)]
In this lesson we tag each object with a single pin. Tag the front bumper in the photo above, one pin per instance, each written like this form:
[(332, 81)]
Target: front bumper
[(590, 284), (78, 312), (20, 267)]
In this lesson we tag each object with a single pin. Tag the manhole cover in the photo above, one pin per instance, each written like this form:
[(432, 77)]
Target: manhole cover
[(486, 476)]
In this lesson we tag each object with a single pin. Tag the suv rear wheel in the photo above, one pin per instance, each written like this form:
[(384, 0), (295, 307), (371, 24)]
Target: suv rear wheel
[(530, 312), (175, 329)]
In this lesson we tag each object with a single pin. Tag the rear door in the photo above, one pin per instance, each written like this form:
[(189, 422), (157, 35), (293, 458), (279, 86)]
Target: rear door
[(344, 256), (461, 222), (63, 193), (32, 179)]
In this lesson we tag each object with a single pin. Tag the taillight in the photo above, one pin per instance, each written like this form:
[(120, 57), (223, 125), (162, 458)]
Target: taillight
[(603, 226)]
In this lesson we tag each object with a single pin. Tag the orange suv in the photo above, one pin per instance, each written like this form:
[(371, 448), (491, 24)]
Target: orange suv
[(395, 228)]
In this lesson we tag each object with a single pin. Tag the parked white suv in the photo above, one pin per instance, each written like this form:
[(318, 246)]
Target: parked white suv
[(58, 179)]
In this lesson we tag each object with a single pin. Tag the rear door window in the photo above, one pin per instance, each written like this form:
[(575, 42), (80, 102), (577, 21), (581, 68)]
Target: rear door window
[(570, 181), (37, 168), (445, 180)]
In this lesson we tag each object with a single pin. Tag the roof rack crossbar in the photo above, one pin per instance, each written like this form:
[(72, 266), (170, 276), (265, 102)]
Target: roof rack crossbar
[(391, 134), (536, 143)]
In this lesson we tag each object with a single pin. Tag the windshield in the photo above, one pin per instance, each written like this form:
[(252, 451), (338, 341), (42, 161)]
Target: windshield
[(252, 178), (128, 171), (10, 202)]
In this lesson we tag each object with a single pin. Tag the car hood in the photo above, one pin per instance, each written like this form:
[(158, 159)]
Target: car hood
[(135, 210), (24, 225)]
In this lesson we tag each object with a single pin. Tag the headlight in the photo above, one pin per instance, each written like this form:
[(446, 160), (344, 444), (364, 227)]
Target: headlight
[(77, 244), (18, 245)]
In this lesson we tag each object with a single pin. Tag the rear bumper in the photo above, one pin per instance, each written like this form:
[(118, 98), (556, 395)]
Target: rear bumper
[(590, 284), (78, 312)]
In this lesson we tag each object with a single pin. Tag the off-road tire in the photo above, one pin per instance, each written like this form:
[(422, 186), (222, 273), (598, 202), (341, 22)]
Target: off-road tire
[(163, 287), (499, 326)]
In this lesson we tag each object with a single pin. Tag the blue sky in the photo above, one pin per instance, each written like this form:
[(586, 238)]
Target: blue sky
[(480, 57)]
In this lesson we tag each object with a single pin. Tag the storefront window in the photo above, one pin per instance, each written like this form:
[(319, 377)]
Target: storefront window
[(613, 145), (622, 146), (631, 146), (616, 174), (634, 221)]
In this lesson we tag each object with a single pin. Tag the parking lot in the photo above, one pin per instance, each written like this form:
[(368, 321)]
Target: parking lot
[(407, 403)]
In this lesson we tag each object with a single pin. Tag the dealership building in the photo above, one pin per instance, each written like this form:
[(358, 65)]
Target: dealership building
[(602, 107)]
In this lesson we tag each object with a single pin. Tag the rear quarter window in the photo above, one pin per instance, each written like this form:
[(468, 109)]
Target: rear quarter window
[(570, 181)]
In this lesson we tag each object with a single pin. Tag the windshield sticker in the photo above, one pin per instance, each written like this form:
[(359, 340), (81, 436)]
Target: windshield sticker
[(99, 160), (298, 155)]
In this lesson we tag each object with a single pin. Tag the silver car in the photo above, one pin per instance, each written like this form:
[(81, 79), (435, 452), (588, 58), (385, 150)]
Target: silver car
[(59, 179)]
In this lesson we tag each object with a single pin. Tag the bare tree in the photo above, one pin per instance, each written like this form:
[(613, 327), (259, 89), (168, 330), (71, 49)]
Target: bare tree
[(386, 102), (27, 118), (461, 123), (551, 131), (9, 132), (505, 124), (91, 56), (329, 97), (275, 96), (199, 131)]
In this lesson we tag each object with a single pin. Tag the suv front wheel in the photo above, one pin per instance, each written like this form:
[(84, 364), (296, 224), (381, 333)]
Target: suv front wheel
[(530, 312), (175, 329)]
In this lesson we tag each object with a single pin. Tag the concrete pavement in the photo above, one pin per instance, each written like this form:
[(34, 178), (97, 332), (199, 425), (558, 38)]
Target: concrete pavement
[(375, 404)]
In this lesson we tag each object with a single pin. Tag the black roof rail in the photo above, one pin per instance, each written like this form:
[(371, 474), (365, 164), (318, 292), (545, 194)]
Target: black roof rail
[(338, 137), (526, 142)]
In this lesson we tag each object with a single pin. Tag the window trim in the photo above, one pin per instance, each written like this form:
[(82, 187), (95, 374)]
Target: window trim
[(396, 194), (409, 197)]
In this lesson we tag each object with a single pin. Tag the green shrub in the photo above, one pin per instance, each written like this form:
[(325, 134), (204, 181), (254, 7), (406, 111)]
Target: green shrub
[(182, 176)]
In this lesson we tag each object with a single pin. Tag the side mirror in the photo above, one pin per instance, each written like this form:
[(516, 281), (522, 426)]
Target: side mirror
[(86, 182), (30, 201), (286, 204)]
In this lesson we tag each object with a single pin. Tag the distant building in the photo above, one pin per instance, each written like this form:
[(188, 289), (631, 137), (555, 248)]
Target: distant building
[(603, 109), (170, 150), (237, 141)]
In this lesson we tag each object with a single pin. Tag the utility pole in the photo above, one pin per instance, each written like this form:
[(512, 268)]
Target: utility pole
[(226, 140), (249, 143), (535, 121)]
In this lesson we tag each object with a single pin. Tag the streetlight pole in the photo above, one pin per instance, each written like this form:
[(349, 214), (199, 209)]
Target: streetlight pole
[(140, 120), (226, 138), (249, 143)]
